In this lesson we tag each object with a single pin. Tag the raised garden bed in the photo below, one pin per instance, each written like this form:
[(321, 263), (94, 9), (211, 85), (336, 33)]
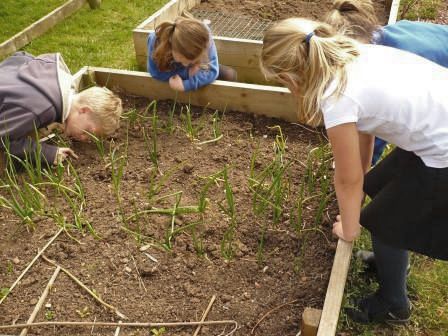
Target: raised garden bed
[(238, 27), (265, 261)]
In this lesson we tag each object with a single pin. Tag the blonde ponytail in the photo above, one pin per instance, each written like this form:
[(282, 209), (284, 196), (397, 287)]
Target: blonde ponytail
[(308, 62)]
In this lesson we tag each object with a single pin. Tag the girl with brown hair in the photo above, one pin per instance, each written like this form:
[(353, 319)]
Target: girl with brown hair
[(183, 53)]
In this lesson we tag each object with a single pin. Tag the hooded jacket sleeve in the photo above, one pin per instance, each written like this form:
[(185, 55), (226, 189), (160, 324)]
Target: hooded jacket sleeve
[(16, 125)]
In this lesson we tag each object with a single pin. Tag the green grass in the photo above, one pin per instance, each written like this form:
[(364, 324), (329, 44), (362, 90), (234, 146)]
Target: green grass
[(101, 37), (419, 9), (22, 13), (428, 291)]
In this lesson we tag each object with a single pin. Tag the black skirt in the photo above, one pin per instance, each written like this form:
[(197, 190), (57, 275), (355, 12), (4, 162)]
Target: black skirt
[(409, 207)]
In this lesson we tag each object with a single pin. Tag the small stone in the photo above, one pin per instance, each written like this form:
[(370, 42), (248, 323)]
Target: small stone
[(188, 168), (16, 260), (33, 302), (265, 269), (147, 271), (145, 247), (48, 305), (226, 298), (125, 260), (127, 269)]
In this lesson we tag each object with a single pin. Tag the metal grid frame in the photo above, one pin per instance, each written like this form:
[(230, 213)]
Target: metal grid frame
[(233, 25)]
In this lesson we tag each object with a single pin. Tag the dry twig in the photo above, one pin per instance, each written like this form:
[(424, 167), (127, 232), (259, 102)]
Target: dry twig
[(204, 316), (126, 324), (30, 264), (42, 299), (96, 297)]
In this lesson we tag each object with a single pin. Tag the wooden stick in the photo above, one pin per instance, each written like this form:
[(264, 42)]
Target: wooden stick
[(335, 289), (125, 324), (96, 297), (42, 299), (269, 312), (204, 316), (117, 331), (30, 264)]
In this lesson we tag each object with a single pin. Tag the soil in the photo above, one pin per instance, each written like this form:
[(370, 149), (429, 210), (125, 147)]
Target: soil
[(293, 274), (282, 9)]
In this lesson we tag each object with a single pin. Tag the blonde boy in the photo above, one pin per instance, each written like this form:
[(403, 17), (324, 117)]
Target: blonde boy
[(36, 91)]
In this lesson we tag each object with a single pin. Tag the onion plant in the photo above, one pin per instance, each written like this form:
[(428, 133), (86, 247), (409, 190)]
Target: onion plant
[(227, 242)]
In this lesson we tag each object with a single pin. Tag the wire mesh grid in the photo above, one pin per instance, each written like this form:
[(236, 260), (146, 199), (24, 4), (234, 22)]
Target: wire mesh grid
[(233, 25)]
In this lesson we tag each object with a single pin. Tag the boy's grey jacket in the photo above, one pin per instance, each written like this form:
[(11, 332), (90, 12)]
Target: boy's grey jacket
[(30, 97)]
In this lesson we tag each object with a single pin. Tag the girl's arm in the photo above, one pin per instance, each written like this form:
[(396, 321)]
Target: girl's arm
[(348, 178), (366, 144), (204, 76), (152, 66)]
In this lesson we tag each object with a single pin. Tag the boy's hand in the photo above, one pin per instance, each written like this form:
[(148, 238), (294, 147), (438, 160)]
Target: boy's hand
[(63, 153), (194, 70), (176, 83)]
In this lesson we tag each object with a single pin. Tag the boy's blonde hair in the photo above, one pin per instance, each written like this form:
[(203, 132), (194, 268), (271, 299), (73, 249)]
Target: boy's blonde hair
[(309, 55), (354, 18), (186, 36), (106, 108)]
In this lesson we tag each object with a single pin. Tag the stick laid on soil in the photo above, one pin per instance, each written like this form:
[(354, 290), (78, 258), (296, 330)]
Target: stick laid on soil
[(42, 299), (126, 324), (204, 316), (96, 297), (117, 331), (30, 264)]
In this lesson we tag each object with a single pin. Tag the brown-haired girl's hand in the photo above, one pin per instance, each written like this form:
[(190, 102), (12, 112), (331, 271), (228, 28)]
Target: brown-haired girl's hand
[(176, 83)]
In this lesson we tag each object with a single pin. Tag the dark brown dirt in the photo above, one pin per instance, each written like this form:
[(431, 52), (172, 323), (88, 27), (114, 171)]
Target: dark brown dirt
[(281, 9), (179, 286)]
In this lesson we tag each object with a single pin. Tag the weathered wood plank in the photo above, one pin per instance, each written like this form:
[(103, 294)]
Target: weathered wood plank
[(270, 101), (394, 11), (310, 321), (168, 13), (40, 27), (335, 290)]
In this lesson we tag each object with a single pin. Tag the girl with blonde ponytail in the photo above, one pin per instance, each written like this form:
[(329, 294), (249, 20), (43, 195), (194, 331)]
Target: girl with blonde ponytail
[(183, 53), (360, 91)]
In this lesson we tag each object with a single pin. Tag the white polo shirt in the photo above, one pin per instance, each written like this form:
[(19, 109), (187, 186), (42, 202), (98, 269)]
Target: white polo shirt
[(397, 96)]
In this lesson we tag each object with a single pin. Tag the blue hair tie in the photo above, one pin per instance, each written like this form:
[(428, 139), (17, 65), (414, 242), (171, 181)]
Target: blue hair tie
[(308, 37)]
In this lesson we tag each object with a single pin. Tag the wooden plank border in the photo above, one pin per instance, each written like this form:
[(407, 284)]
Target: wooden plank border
[(335, 290), (394, 11), (39, 27), (271, 101)]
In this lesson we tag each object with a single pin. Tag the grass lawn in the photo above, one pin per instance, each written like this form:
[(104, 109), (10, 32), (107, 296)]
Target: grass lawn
[(103, 37), (18, 14)]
